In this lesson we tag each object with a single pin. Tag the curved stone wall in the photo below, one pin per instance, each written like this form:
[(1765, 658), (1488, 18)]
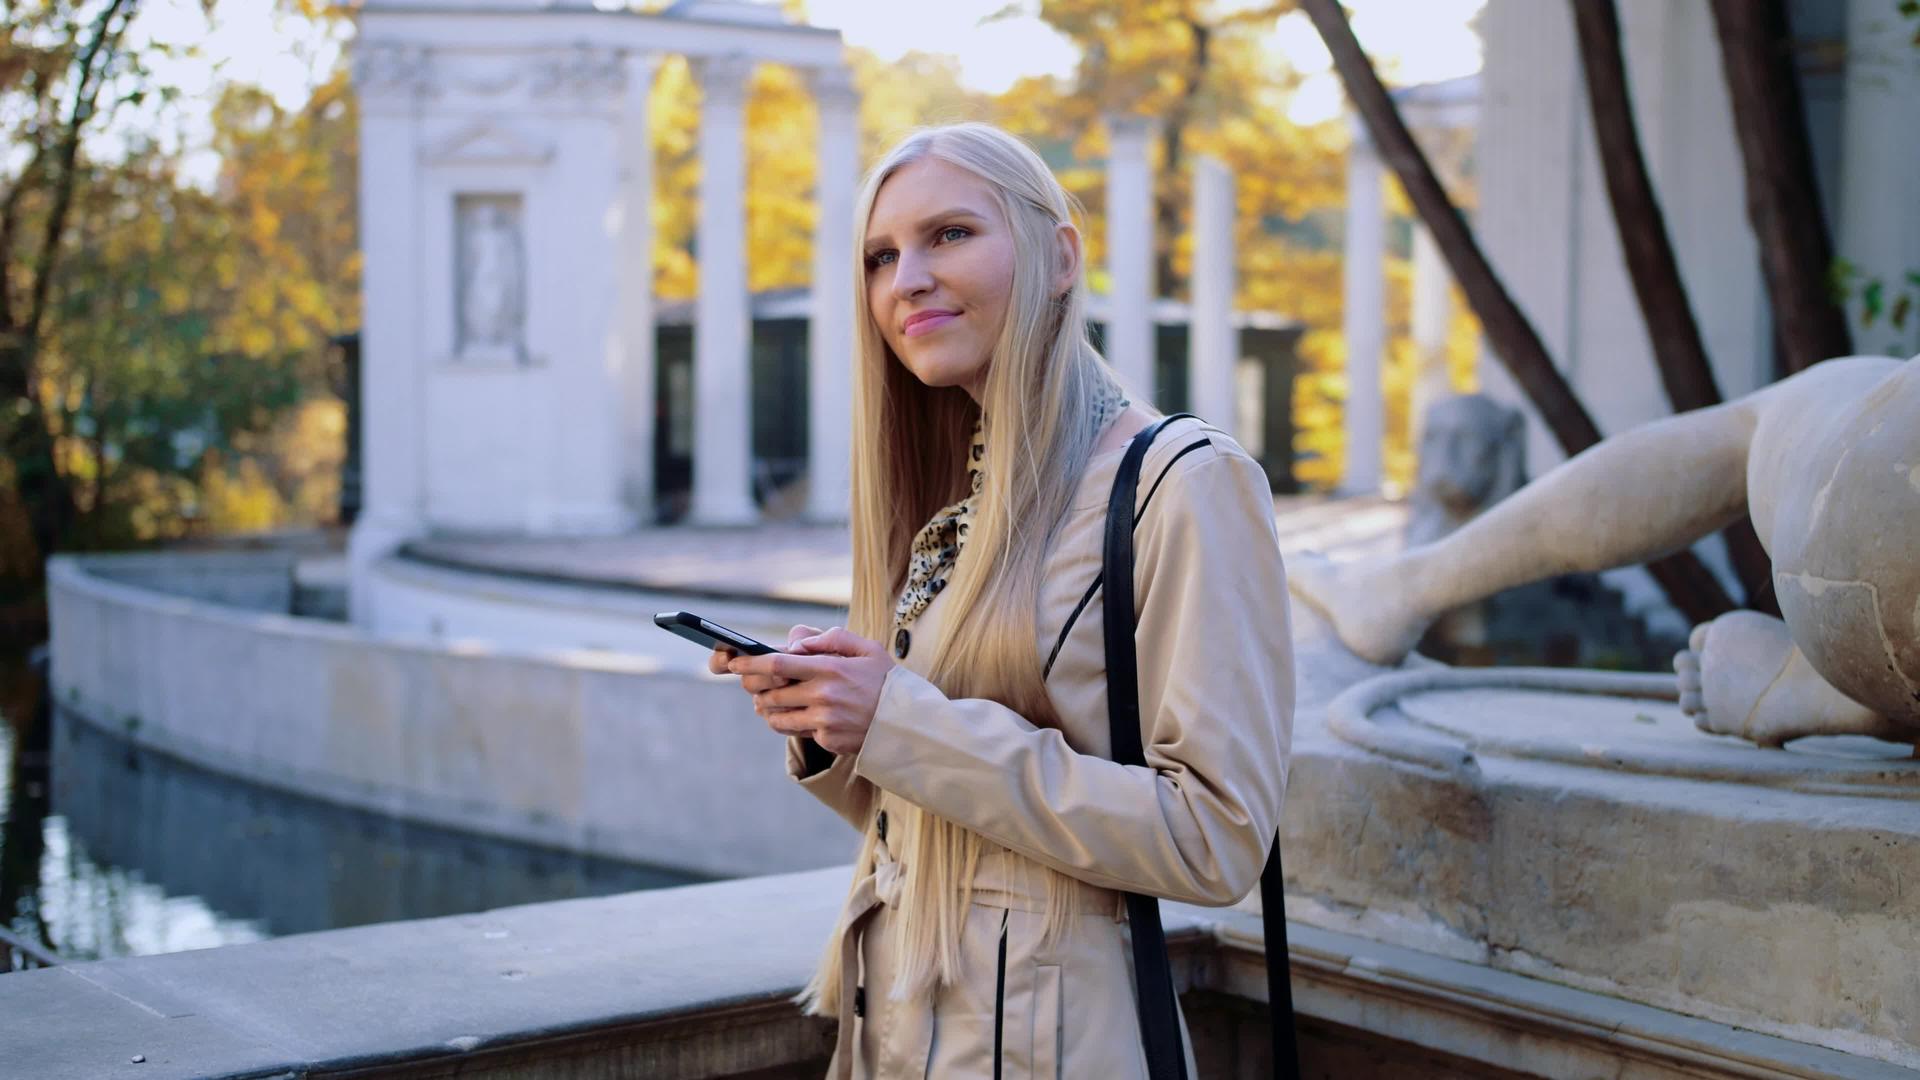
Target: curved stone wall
[(609, 753)]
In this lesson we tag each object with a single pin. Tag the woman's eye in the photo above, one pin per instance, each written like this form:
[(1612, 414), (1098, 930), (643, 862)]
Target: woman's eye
[(949, 232), (879, 258)]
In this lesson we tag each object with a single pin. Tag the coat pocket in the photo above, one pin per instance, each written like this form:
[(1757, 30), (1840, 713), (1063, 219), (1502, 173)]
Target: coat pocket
[(1047, 1035)]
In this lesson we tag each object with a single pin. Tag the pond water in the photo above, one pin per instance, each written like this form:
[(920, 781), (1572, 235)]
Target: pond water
[(107, 849)]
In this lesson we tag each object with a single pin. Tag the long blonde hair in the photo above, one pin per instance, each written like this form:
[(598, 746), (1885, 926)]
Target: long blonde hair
[(910, 444)]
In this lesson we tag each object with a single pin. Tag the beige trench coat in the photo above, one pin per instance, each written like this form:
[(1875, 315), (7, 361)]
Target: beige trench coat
[(1216, 706)]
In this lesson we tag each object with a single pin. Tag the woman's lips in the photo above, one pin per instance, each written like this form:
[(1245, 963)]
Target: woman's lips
[(926, 324)]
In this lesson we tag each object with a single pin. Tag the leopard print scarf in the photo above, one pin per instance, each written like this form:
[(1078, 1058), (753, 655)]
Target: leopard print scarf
[(937, 546)]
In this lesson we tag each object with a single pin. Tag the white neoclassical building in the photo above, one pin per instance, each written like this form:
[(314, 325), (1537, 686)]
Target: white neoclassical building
[(507, 342)]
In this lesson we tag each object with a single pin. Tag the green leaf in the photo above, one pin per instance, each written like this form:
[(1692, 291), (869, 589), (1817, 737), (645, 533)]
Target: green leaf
[(1901, 309), (1909, 8), (1872, 302), (1840, 275)]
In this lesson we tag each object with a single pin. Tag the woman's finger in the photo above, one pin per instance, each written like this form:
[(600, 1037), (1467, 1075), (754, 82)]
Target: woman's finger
[(717, 661), (774, 698), (790, 721)]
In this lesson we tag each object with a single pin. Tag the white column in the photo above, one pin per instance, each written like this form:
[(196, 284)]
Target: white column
[(1213, 342), (576, 271), (388, 80), (1129, 338), (722, 385), (1363, 319), (1879, 158), (1431, 312), (830, 328), (634, 345)]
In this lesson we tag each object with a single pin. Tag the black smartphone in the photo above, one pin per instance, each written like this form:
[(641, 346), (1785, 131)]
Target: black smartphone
[(714, 636)]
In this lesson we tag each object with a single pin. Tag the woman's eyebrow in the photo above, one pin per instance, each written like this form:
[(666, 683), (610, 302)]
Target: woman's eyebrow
[(883, 239)]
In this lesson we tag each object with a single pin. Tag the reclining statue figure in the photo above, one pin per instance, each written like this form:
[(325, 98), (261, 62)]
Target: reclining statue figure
[(1827, 465)]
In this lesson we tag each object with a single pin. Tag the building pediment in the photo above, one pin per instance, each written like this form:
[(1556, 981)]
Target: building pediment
[(488, 142)]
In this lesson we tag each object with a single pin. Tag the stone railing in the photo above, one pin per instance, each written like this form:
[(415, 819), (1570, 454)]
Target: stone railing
[(696, 981), (605, 753)]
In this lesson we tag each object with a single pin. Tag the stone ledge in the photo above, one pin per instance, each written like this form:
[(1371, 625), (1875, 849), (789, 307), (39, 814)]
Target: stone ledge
[(530, 745), (695, 982), (1574, 828), (1509, 1021)]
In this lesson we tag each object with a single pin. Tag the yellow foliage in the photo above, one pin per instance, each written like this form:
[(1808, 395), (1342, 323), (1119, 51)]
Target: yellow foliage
[(290, 180), (782, 141), (1319, 400), (1463, 346), (239, 498)]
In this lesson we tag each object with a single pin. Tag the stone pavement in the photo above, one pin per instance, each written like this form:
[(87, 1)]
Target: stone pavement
[(812, 564)]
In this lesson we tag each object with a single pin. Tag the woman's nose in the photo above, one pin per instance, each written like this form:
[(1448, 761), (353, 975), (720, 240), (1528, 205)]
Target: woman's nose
[(911, 276)]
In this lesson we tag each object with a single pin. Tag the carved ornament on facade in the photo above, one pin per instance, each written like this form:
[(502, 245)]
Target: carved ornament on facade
[(583, 70), (393, 69)]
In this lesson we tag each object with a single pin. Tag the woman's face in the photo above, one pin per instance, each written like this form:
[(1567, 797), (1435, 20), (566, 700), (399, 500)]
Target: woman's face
[(939, 258)]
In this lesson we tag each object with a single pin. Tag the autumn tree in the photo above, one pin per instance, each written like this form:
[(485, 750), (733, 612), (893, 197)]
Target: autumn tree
[(178, 369), (57, 61)]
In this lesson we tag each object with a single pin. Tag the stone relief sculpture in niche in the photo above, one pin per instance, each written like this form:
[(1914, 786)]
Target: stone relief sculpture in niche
[(492, 305), (1827, 466)]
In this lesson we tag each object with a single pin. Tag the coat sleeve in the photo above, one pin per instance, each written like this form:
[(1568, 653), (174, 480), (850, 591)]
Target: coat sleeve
[(831, 779), (1216, 710)]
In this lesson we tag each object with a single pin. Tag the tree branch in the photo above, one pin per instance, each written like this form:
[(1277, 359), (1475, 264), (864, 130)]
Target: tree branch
[(10, 208), (1678, 350), (1783, 199), (1513, 338), (1637, 217), (94, 60), (1687, 582)]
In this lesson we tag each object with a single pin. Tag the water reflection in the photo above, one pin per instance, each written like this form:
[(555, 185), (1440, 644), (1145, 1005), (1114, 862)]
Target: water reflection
[(112, 850)]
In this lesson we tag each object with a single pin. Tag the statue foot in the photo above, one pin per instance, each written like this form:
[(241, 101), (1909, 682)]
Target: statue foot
[(1743, 675), (1363, 601)]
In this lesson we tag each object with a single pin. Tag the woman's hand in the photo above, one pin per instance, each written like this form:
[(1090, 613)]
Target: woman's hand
[(826, 686), (753, 684)]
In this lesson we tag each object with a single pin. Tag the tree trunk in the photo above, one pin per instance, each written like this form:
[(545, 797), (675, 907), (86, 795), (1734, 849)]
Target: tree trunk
[(25, 435), (1167, 203), (29, 445), (1783, 199), (1677, 347), (1686, 580)]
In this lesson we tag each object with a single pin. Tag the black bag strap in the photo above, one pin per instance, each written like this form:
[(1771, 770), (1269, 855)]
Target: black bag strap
[(1153, 975)]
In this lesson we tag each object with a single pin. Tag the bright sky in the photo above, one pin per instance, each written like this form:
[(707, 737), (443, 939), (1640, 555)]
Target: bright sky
[(1421, 40), (246, 41), (1415, 40)]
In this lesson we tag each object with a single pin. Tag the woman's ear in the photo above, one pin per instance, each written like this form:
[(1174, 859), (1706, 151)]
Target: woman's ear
[(1067, 264)]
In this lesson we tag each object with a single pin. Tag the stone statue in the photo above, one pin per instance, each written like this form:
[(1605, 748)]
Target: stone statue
[(1472, 454), (490, 287), (1825, 463)]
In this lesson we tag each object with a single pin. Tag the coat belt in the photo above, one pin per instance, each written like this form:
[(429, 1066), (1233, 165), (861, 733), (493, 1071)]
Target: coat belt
[(880, 887)]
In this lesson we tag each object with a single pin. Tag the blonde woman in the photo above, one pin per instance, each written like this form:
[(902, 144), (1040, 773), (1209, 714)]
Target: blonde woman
[(959, 721)]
